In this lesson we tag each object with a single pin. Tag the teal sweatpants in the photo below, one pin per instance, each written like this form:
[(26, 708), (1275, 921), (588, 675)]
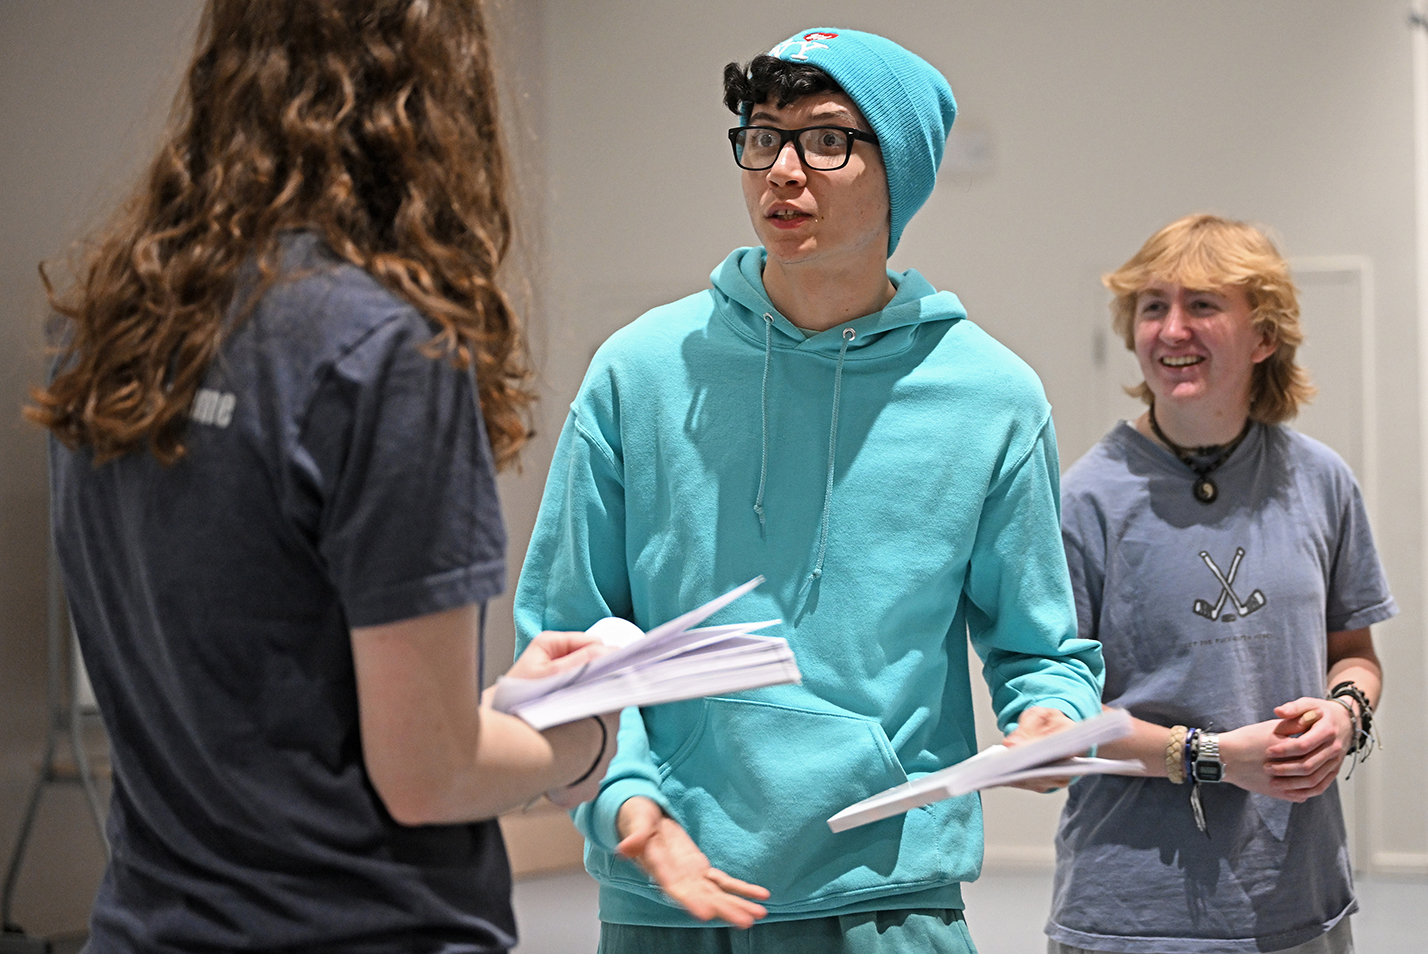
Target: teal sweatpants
[(874, 932)]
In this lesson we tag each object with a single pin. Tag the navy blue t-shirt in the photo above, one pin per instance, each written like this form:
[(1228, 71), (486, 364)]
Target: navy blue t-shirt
[(335, 476)]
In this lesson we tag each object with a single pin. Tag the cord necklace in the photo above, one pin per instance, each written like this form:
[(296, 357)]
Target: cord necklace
[(1204, 489)]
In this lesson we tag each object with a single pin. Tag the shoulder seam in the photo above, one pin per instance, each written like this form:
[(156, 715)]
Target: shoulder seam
[(1030, 446), (594, 440)]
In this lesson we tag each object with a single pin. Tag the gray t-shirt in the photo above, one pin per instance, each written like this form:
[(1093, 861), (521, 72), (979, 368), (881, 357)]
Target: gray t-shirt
[(336, 476), (1209, 616)]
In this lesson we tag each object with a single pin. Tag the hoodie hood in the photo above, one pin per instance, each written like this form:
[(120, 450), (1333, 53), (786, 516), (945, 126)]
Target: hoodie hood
[(881, 335), (739, 279)]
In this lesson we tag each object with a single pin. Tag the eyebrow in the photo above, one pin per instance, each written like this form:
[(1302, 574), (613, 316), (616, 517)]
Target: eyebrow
[(834, 116), (1156, 293)]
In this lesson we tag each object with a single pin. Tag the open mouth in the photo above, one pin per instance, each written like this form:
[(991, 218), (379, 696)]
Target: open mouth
[(1181, 361)]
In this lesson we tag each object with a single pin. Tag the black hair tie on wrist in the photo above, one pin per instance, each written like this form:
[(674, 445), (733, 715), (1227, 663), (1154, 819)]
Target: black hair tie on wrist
[(604, 740)]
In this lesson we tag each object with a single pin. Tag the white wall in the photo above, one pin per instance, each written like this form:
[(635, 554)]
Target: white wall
[(84, 88), (1105, 119)]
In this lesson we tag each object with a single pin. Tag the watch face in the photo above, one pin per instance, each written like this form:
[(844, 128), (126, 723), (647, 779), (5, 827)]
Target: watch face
[(1209, 771)]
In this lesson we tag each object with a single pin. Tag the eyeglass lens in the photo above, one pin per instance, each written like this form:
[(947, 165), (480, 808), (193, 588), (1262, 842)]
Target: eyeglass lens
[(819, 147)]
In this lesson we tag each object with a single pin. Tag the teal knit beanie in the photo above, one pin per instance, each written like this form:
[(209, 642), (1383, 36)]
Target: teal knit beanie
[(906, 101)]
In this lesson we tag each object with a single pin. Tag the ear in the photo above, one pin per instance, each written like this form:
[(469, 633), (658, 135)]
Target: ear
[(1268, 345)]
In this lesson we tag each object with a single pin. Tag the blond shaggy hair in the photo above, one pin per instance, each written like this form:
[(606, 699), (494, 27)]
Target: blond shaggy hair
[(1207, 252)]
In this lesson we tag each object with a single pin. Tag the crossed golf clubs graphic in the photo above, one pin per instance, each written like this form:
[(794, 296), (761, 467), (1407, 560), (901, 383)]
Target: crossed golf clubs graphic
[(1212, 612)]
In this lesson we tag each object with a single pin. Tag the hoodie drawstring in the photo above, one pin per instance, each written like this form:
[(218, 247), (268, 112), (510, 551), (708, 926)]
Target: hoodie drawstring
[(848, 335), (764, 415)]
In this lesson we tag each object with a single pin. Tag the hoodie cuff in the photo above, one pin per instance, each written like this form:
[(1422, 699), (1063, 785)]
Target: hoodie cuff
[(1065, 706), (1070, 708), (606, 809)]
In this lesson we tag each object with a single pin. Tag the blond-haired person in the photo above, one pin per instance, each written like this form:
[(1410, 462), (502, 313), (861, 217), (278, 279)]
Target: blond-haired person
[(1225, 564)]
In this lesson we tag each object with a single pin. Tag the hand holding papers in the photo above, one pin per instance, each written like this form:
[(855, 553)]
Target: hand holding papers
[(998, 765), (669, 663)]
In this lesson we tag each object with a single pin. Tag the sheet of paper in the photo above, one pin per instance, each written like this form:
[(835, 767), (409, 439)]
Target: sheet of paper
[(997, 765), (671, 662)]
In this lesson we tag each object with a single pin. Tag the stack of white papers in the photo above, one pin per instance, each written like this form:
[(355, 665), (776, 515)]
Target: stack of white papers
[(667, 664), (1046, 757)]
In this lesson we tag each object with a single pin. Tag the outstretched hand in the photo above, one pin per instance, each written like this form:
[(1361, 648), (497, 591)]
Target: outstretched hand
[(666, 853), (1035, 722)]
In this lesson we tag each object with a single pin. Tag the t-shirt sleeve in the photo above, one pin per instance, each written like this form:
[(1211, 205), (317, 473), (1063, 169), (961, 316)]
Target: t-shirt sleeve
[(395, 444), (1358, 593)]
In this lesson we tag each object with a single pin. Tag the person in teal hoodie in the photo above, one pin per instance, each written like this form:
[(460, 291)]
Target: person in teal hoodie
[(845, 431)]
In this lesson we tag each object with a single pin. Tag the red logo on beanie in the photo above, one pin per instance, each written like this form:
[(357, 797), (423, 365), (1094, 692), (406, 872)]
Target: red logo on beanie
[(819, 36)]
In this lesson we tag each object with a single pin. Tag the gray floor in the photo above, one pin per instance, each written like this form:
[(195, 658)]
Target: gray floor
[(557, 914)]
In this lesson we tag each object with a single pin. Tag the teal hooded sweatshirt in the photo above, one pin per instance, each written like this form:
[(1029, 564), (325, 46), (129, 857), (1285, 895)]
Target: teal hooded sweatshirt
[(894, 479)]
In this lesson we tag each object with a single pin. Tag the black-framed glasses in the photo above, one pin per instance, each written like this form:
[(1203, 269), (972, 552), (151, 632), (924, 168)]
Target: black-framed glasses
[(824, 148)]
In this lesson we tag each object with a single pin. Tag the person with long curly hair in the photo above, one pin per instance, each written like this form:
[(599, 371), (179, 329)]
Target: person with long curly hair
[(285, 377)]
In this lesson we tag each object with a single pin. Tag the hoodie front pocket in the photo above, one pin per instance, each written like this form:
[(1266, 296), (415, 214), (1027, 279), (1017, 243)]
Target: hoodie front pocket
[(755, 784)]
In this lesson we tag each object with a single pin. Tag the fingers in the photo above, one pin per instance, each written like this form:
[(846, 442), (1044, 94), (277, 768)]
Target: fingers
[(1297, 724), (634, 846), (669, 856), (557, 643), (1314, 731), (1041, 784), (1035, 722), (1303, 788), (553, 652), (1297, 708), (564, 650), (714, 894), (733, 885), (1326, 758), (1300, 746), (736, 911)]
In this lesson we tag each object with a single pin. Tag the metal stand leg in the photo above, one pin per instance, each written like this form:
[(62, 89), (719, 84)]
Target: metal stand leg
[(66, 721), (12, 874)]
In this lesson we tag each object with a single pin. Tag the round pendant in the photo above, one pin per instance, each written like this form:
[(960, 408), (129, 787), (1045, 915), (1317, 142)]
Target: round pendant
[(1206, 491)]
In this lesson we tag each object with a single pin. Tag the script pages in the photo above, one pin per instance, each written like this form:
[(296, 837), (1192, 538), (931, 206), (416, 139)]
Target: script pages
[(669, 663), (1048, 756)]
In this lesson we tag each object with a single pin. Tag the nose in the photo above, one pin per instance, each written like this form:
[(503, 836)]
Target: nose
[(1175, 327), (787, 169)]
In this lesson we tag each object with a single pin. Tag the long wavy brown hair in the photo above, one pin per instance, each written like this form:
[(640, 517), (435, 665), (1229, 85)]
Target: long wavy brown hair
[(370, 122)]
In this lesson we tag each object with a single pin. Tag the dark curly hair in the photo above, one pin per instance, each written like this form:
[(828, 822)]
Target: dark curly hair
[(369, 122), (768, 76)]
